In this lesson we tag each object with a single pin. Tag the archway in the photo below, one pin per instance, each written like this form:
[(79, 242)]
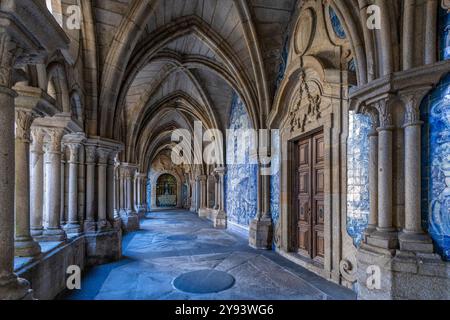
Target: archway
[(166, 191)]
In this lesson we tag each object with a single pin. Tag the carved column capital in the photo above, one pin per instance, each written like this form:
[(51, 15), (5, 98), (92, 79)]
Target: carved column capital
[(54, 144), (74, 149), (8, 56), (384, 114), (37, 139), (91, 154), (412, 100), (103, 156), (372, 112), (24, 119)]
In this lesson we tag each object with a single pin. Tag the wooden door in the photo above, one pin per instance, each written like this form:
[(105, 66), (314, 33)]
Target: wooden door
[(310, 197)]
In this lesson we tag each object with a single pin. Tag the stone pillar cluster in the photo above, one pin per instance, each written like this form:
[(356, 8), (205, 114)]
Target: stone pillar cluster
[(206, 196), (382, 231), (140, 196), (126, 190)]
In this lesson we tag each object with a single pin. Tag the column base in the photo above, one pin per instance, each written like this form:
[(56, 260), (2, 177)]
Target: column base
[(416, 242), (261, 232), (220, 219), (90, 226), (14, 288), (53, 235), (130, 222), (72, 228), (36, 232), (383, 239), (203, 213), (26, 248), (401, 276), (103, 225), (141, 213)]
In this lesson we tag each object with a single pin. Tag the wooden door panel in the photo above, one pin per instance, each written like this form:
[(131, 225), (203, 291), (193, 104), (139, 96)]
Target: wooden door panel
[(310, 188)]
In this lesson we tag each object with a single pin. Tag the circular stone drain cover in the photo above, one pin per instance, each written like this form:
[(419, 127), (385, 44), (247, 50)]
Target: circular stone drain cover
[(204, 281), (182, 237)]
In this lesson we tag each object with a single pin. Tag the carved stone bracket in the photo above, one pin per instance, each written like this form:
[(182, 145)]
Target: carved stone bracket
[(24, 119), (348, 270), (298, 119)]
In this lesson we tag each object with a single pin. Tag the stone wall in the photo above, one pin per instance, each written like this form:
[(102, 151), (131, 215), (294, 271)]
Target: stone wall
[(47, 274)]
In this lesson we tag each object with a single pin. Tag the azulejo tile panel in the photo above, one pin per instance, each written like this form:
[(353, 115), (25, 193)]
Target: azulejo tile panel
[(241, 177), (358, 204), (436, 166)]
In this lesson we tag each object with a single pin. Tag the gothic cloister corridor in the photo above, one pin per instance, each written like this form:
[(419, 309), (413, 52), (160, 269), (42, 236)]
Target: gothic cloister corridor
[(152, 260), (224, 149)]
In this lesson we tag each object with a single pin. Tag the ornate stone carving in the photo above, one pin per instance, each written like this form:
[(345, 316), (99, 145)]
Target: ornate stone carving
[(298, 120), (348, 270), (74, 149), (55, 134), (374, 117), (37, 138), (385, 114), (103, 155), (8, 51), (90, 154), (446, 4), (24, 119)]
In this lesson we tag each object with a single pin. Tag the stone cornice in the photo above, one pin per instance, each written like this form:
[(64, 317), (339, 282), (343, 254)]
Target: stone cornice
[(36, 99), (425, 76), (61, 120), (104, 143)]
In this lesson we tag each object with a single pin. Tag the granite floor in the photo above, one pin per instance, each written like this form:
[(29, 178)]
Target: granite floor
[(172, 243)]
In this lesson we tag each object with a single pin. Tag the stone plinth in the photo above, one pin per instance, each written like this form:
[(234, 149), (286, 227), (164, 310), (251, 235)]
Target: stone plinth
[(219, 219), (261, 234), (403, 276), (130, 222)]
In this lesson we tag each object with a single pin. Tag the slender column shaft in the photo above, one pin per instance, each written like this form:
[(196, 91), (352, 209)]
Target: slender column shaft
[(408, 34), (25, 246), (373, 180), (102, 165), (385, 180), (430, 31), (73, 224), (90, 188), (37, 182), (110, 188), (53, 232), (62, 212), (7, 167), (412, 179)]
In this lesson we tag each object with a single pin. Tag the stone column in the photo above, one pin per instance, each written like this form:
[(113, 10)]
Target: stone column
[(102, 223), (11, 287), (216, 192), (53, 231), (116, 191), (413, 237), (62, 212), (130, 219), (73, 224), (193, 195), (220, 219), (37, 182), (261, 229), (89, 223), (385, 235), (111, 187), (24, 244), (203, 211), (373, 171)]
